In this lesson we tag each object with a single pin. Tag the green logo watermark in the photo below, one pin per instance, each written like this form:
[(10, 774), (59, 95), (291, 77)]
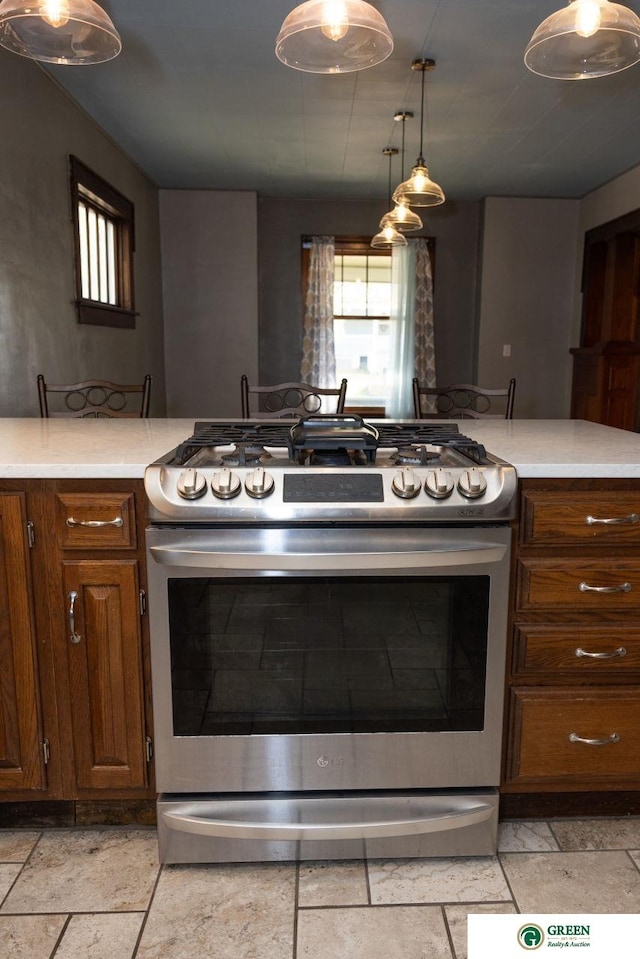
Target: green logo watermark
[(530, 936)]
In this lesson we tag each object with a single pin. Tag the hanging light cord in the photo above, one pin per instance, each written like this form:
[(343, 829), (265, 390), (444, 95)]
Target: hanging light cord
[(422, 66), (421, 158)]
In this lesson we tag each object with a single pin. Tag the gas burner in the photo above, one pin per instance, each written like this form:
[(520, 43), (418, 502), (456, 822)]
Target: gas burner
[(416, 455), (244, 454)]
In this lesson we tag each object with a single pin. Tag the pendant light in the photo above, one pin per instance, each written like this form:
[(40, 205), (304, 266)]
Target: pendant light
[(419, 189), (402, 217), (587, 38), (333, 36), (388, 235), (72, 32)]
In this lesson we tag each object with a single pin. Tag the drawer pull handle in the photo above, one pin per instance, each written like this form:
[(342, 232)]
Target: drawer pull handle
[(95, 523), (613, 738), (620, 651), (75, 637), (622, 588), (629, 520)]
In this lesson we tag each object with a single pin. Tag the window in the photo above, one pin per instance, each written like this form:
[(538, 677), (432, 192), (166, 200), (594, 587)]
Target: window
[(362, 304), (104, 243), (362, 325)]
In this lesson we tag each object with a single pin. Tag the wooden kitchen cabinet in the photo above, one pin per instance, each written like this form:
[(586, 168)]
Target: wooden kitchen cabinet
[(573, 696), (99, 619), (85, 580), (586, 736), (105, 674), (21, 739), (606, 364)]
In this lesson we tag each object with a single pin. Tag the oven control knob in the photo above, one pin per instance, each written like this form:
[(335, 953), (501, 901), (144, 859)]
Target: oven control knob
[(439, 484), (225, 484), (259, 483), (472, 484), (406, 484), (191, 484)]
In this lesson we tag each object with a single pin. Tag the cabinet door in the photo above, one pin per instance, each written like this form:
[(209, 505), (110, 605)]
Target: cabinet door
[(105, 673), (21, 765)]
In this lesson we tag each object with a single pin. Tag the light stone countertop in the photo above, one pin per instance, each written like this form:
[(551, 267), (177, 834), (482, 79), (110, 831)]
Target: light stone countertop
[(34, 448)]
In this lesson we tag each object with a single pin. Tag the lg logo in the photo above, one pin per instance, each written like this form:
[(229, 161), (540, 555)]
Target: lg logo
[(324, 761)]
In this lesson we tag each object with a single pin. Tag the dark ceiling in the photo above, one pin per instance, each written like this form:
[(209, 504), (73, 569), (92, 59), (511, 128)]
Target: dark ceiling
[(198, 99)]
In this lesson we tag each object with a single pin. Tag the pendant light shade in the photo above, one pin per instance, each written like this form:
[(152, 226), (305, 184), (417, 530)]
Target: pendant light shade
[(402, 218), (420, 190), (388, 236), (333, 36), (58, 31), (587, 38)]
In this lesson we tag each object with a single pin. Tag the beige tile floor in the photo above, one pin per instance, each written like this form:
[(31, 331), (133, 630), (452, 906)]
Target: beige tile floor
[(100, 894)]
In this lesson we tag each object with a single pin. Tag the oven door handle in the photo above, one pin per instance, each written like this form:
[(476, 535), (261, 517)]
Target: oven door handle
[(183, 819), (205, 557)]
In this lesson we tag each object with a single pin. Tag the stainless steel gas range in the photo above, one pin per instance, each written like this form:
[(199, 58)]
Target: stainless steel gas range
[(328, 604)]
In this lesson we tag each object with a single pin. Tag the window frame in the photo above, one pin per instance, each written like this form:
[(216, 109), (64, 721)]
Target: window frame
[(88, 187), (358, 246)]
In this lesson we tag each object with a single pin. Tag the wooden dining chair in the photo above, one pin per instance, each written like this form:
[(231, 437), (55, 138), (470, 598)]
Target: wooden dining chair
[(94, 398), (462, 401), (289, 399)]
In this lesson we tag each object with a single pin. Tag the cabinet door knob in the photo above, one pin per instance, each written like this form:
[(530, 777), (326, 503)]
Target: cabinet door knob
[(75, 637)]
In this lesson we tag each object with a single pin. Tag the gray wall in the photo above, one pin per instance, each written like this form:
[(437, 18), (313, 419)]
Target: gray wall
[(282, 223), (210, 282), (39, 331), (529, 251)]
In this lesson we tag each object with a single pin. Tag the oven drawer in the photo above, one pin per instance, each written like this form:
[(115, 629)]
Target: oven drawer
[(603, 650), (586, 735), (96, 520), (581, 516), (579, 584)]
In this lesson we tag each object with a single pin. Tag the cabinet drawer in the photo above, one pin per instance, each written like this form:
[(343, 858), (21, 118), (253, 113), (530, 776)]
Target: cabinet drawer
[(579, 584), (96, 520), (555, 518), (580, 653), (547, 722)]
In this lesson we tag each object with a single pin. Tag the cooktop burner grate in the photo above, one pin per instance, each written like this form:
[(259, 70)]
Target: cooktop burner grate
[(277, 435)]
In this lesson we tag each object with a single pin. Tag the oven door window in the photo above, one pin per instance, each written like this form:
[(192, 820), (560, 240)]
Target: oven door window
[(330, 654)]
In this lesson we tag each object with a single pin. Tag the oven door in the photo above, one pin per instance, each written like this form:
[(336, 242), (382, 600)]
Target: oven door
[(327, 659)]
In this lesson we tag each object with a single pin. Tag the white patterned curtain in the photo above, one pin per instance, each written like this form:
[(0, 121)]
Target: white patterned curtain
[(425, 358), (412, 346), (318, 365)]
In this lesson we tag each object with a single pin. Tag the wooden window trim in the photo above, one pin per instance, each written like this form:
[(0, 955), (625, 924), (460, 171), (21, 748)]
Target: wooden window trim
[(358, 246), (88, 186)]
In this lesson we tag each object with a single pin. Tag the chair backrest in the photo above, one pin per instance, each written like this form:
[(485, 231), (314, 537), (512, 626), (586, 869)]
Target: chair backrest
[(289, 400), (94, 399), (463, 401)]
